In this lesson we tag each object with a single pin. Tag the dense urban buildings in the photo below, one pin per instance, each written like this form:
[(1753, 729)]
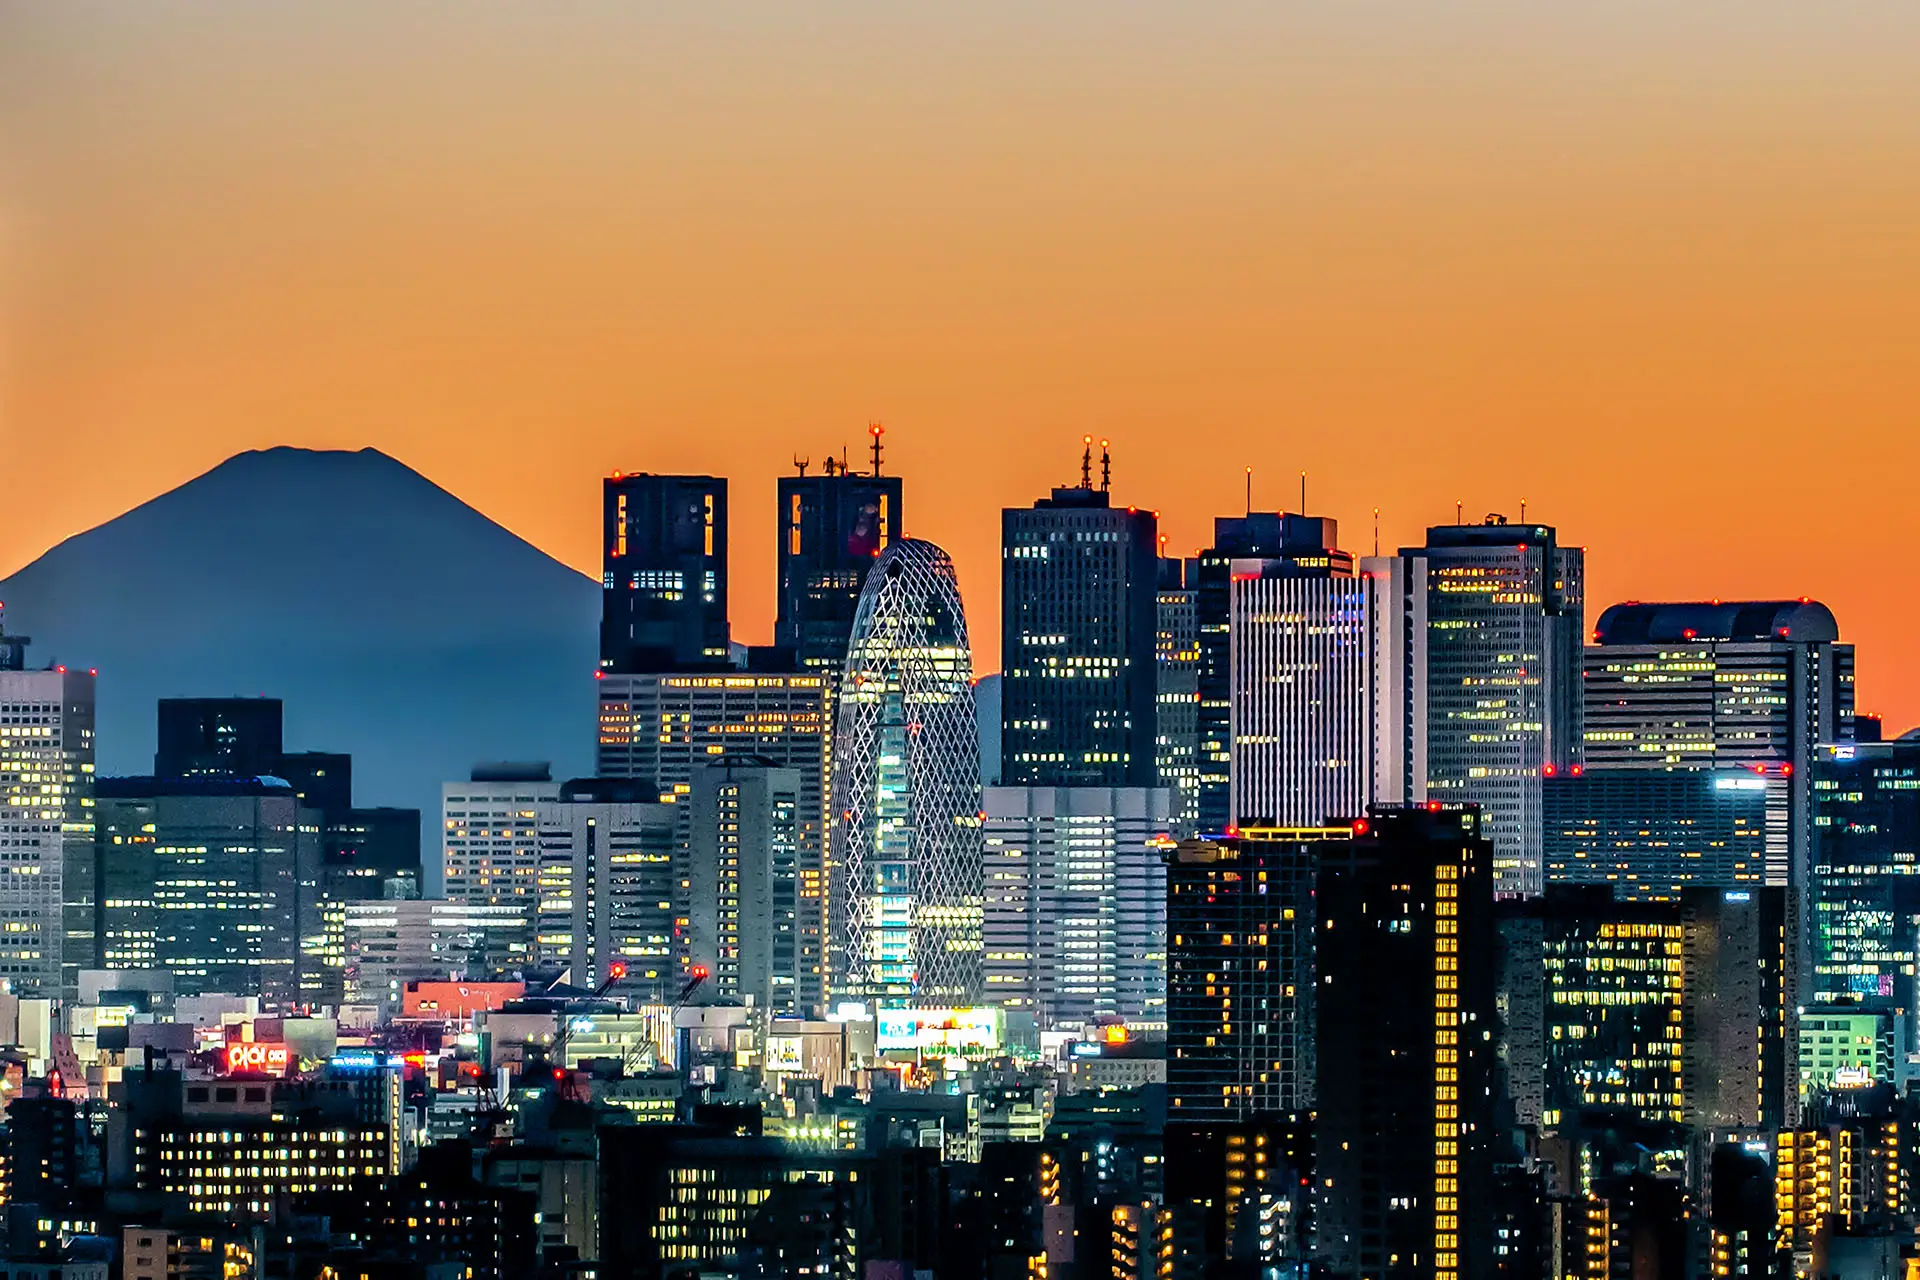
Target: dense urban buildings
[(1311, 935), (832, 525), (1301, 680), (661, 728), (1482, 628), (1079, 611), (906, 789), (664, 580), (1075, 902)]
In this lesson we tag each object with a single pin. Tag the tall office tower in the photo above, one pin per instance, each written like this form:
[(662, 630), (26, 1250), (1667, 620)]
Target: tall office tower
[(832, 526), (906, 789), (1672, 1011), (1286, 544), (1481, 631), (1075, 885), (46, 828), (1652, 833), (1866, 875), (218, 738), (607, 892), (744, 894), (660, 728), (492, 850), (215, 879), (664, 583), (1299, 670), (1176, 720), (1240, 976), (1405, 945), (1754, 685), (1078, 617)]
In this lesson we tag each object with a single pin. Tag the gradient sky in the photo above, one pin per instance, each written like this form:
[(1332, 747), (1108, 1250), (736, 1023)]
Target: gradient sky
[(1654, 268)]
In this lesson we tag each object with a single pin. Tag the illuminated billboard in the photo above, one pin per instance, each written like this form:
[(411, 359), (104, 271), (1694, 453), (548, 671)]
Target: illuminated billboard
[(783, 1053), (257, 1056), (958, 1031)]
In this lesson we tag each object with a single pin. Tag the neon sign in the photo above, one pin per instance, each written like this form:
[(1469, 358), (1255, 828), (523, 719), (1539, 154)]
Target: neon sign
[(258, 1056)]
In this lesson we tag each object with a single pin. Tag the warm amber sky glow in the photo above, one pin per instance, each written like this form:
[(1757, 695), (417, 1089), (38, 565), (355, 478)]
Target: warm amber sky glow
[(1654, 267)]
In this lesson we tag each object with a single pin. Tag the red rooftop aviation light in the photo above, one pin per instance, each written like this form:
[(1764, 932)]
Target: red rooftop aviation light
[(1361, 826), (700, 971), (617, 970)]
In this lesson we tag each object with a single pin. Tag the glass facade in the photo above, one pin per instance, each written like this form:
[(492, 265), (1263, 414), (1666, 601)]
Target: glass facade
[(1866, 874), (906, 789)]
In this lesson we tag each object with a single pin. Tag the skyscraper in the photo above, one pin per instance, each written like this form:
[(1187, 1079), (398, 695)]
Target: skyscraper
[(217, 880), (1240, 974), (218, 738), (46, 827), (492, 850), (1079, 611), (1404, 1016), (664, 586), (1483, 626), (1866, 874), (832, 526), (659, 728), (1076, 902), (1286, 545), (1735, 685), (906, 789), (607, 889), (1176, 729), (747, 912), (1301, 680)]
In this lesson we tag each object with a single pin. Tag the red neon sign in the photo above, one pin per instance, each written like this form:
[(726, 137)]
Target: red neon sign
[(258, 1056)]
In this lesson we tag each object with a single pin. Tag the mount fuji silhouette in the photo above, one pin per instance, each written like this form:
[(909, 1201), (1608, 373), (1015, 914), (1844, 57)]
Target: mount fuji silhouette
[(395, 622)]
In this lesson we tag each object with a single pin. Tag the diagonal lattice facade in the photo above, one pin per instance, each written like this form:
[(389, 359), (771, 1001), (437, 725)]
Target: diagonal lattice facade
[(906, 790)]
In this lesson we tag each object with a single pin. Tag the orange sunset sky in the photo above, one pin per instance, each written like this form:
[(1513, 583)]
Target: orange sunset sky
[(1653, 267)]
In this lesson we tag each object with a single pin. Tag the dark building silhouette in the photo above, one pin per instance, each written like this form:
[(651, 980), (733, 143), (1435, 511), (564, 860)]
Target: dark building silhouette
[(218, 738), (1240, 978), (1406, 956), (664, 585), (322, 779), (1079, 613), (1652, 833), (831, 527)]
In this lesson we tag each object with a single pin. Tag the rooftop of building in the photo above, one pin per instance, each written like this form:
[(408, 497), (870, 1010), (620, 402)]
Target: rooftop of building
[(1801, 621)]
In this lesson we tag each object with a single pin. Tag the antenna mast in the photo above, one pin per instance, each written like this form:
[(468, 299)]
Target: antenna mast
[(1106, 467), (1249, 490), (1086, 463), (800, 463), (876, 431)]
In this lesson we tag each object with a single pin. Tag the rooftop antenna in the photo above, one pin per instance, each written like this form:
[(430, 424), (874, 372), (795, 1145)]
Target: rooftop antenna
[(876, 431), (1249, 490), (1086, 464), (1303, 493), (1106, 467), (1458, 509), (800, 463), (1376, 531), (843, 458), (1523, 511)]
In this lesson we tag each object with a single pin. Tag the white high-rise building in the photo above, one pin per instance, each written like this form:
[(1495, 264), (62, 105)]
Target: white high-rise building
[(1302, 689), (1075, 902), (607, 886), (46, 827), (492, 852), (744, 902)]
